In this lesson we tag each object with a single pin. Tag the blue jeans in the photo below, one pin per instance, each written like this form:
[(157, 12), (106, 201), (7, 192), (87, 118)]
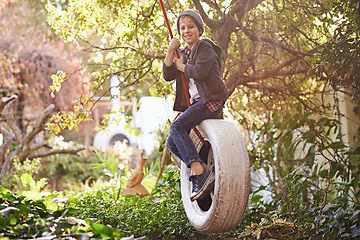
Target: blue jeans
[(179, 141)]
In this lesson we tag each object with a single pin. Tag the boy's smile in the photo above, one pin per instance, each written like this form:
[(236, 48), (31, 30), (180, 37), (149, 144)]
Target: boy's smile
[(189, 31)]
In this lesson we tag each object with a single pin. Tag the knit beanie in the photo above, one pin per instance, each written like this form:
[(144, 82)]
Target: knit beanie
[(194, 14)]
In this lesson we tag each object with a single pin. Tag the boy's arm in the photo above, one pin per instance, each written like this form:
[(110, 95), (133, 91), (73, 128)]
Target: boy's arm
[(204, 60), (173, 46), (169, 72), (169, 68)]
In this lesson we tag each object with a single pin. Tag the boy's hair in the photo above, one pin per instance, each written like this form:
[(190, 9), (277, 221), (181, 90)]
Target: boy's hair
[(194, 14)]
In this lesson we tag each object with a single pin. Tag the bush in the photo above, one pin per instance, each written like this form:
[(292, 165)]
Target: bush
[(313, 177), (158, 216), (21, 218)]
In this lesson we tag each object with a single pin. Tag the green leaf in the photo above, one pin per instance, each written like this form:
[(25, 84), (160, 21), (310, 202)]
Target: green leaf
[(3, 189), (72, 199), (6, 212), (49, 202), (104, 231), (26, 179), (137, 132), (41, 183), (324, 173)]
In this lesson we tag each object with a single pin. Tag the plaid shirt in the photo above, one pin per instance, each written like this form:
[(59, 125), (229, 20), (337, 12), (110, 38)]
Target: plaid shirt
[(215, 105)]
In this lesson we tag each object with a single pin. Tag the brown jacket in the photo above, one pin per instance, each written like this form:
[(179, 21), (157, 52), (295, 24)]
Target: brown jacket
[(206, 72)]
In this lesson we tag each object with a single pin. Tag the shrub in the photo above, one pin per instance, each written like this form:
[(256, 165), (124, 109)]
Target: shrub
[(158, 216), (21, 218)]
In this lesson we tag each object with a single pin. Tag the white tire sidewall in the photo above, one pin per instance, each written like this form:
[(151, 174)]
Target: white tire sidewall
[(232, 178)]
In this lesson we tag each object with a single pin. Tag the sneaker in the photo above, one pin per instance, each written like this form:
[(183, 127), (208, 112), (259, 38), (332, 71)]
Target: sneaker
[(203, 184)]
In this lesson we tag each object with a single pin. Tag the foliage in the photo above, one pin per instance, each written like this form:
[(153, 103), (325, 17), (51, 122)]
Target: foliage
[(159, 215), (269, 46), (21, 144), (66, 172), (115, 171), (29, 56), (312, 176), (274, 57), (54, 219), (21, 218), (340, 222), (63, 172), (339, 61)]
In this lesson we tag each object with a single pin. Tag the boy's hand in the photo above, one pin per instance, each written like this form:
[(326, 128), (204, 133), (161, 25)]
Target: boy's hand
[(174, 44), (179, 63)]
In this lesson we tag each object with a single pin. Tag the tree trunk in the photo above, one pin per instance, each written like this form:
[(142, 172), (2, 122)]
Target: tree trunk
[(24, 138)]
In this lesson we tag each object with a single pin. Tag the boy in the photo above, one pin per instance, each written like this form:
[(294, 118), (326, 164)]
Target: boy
[(200, 62)]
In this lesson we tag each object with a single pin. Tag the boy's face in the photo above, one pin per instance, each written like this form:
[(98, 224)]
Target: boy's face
[(189, 31)]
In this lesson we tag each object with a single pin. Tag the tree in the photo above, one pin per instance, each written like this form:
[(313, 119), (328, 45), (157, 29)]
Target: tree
[(28, 58), (269, 46), (339, 61), (27, 145)]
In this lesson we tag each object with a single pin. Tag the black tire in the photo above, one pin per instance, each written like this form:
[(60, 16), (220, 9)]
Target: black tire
[(223, 210)]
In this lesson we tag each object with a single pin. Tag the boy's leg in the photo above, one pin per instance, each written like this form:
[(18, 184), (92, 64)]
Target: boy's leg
[(180, 129), (172, 147), (179, 142), (196, 167)]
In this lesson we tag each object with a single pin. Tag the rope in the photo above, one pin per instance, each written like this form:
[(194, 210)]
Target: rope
[(184, 83), (176, 53)]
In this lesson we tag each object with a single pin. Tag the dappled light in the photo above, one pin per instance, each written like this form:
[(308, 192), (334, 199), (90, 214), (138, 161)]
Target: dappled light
[(85, 114)]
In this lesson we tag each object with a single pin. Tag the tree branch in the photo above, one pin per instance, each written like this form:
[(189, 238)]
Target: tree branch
[(208, 21), (255, 37), (39, 125), (5, 100), (11, 121), (215, 6), (35, 147), (8, 137), (55, 151), (242, 7)]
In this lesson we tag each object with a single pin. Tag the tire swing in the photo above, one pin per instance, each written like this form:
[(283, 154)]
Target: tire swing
[(228, 155), (221, 147)]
